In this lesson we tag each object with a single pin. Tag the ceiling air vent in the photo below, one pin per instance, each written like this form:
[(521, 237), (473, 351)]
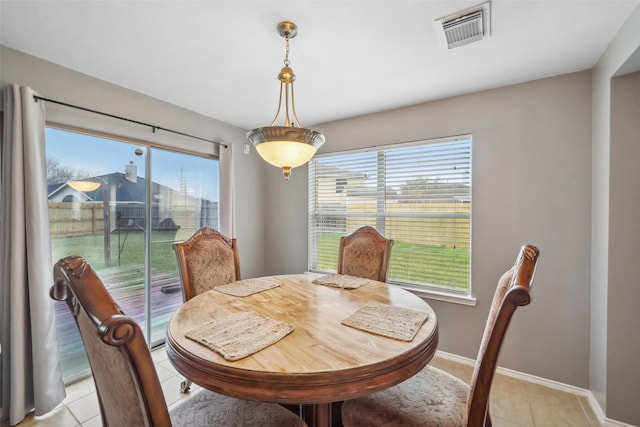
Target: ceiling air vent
[(465, 27)]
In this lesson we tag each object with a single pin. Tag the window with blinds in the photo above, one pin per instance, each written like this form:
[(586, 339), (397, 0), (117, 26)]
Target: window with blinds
[(418, 194)]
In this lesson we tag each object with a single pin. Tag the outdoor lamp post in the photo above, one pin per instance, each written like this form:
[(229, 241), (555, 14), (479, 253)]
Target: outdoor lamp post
[(106, 214)]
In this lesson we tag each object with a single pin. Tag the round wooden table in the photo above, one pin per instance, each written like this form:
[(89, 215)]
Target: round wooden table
[(320, 362)]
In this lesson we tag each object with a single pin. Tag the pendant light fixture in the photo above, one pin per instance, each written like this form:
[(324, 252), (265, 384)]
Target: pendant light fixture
[(290, 145)]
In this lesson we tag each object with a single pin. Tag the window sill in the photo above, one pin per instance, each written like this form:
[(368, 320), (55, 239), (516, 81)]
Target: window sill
[(438, 295), (427, 293)]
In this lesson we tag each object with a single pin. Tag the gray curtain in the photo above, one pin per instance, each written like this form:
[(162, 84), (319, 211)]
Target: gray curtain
[(30, 374)]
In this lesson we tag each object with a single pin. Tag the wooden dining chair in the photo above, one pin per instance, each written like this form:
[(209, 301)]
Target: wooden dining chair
[(127, 385), (365, 253), (434, 397), (205, 260)]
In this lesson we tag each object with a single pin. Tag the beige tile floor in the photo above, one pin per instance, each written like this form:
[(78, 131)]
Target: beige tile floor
[(514, 402)]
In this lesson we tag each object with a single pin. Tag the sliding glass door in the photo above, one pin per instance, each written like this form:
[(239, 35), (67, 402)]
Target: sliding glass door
[(122, 205), (185, 198)]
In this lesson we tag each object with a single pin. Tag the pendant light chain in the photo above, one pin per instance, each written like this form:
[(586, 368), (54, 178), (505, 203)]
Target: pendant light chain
[(286, 56)]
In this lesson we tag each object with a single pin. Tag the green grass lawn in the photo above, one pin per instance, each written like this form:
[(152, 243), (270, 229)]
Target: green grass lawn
[(414, 263), (130, 248)]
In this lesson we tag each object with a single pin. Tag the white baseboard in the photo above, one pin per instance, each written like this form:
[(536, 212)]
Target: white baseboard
[(597, 409), (607, 422), (614, 423)]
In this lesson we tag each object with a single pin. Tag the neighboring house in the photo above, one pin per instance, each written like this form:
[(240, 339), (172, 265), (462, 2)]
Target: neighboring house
[(125, 194), (66, 193), (346, 196)]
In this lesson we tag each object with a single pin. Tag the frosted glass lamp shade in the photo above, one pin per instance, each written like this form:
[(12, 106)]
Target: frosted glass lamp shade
[(284, 146)]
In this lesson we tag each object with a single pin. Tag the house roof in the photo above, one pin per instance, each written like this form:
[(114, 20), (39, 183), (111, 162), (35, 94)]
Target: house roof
[(126, 191)]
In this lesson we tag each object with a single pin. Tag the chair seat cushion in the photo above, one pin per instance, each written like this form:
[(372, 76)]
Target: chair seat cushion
[(430, 398), (206, 408)]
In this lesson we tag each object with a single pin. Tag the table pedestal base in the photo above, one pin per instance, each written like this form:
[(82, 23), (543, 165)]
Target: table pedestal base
[(323, 414)]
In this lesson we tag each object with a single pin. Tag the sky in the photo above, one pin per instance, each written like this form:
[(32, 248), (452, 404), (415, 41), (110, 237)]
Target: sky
[(100, 156)]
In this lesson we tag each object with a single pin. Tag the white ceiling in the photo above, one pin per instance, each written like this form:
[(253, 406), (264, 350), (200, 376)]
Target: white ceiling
[(221, 58)]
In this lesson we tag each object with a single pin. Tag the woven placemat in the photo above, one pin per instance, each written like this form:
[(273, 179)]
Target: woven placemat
[(241, 334), (387, 320), (248, 287), (341, 281)]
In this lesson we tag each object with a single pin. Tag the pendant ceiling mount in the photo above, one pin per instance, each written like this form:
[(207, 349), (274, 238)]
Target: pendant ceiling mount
[(287, 29)]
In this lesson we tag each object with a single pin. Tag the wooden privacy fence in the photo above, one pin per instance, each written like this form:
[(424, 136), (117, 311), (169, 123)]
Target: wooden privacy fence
[(434, 224), (75, 219)]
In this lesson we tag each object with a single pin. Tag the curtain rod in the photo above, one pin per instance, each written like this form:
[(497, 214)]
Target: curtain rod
[(37, 98)]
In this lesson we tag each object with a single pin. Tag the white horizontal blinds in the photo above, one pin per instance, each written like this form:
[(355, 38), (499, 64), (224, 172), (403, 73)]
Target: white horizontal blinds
[(343, 197), (428, 211), (418, 195)]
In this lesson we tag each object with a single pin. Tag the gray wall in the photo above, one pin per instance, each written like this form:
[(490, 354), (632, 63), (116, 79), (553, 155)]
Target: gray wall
[(614, 366), (531, 184), (623, 370), (55, 82)]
